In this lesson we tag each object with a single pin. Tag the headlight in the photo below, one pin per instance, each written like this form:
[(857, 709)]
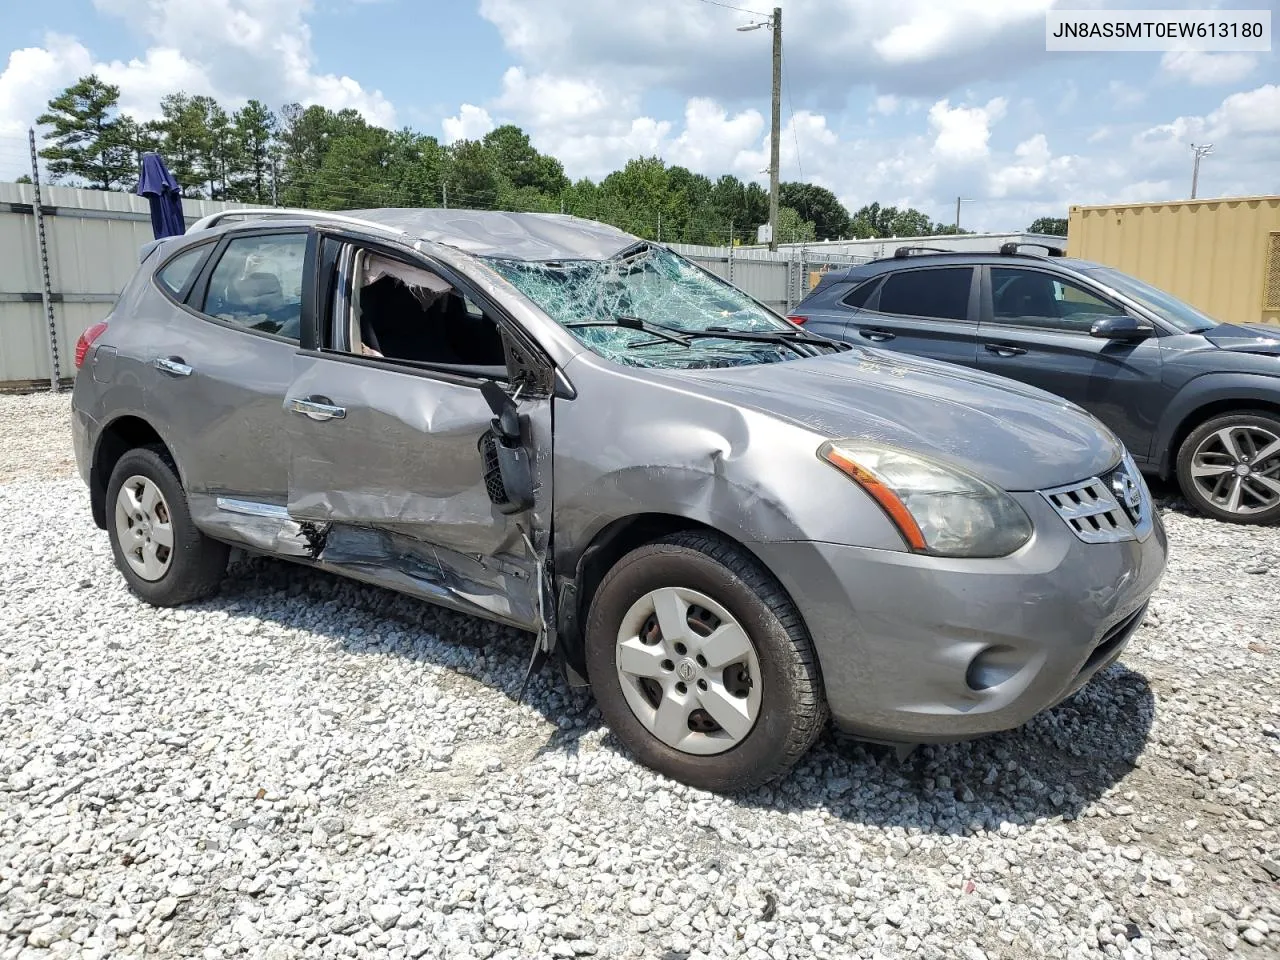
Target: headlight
[(938, 508)]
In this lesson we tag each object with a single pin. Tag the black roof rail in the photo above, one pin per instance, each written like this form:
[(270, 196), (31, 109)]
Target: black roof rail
[(1010, 249), (903, 252)]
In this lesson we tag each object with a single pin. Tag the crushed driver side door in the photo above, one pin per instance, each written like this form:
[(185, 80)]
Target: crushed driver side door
[(386, 468)]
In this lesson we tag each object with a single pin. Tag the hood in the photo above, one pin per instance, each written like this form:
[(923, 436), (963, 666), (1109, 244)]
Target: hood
[(1245, 337), (1005, 432)]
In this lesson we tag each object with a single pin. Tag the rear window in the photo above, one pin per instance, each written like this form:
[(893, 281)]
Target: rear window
[(860, 294), (175, 274), (941, 294)]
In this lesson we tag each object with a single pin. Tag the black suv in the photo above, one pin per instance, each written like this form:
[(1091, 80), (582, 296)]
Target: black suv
[(1186, 394)]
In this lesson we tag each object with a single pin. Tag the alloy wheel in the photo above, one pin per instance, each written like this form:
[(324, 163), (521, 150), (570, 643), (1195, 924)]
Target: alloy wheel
[(1237, 468), (144, 528), (689, 671)]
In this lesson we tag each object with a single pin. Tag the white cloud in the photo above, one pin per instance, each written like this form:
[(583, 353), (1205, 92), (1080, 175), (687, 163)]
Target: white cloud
[(886, 104), (930, 31), (548, 100), (163, 68), (712, 140), (471, 123), (30, 77), (1250, 112), (1123, 96), (912, 47), (230, 49), (1206, 69), (961, 133)]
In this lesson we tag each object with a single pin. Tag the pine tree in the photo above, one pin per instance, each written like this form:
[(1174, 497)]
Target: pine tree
[(90, 141)]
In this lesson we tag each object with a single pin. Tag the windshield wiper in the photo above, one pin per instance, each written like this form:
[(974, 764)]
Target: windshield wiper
[(657, 330), (771, 336)]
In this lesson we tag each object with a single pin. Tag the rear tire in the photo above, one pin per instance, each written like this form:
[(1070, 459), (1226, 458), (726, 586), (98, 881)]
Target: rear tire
[(164, 558), (759, 674), (1229, 467)]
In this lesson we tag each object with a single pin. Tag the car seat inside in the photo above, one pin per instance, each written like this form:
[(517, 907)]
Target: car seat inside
[(404, 312)]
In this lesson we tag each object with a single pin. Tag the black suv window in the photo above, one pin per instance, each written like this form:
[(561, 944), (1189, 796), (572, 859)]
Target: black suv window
[(1032, 298), (860, 294), (941, 293), (257, 283)]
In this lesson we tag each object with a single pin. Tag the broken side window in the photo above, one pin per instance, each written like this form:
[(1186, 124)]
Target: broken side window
[(404, 311)]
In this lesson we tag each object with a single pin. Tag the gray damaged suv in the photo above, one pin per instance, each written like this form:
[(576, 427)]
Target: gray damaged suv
[(729, 528)]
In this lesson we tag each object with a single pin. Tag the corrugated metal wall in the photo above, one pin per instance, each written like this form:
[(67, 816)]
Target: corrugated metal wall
[(93, 242), (1211, 253)]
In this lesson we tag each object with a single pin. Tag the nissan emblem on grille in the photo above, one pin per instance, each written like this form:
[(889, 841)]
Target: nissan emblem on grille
[(1127, 492)]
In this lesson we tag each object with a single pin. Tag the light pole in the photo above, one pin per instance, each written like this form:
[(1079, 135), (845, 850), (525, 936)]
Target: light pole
[(960, 200), (774, 24), (1201, 151)]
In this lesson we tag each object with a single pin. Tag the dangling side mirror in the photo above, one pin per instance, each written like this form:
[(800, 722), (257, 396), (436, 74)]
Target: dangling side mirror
[(508, 472)]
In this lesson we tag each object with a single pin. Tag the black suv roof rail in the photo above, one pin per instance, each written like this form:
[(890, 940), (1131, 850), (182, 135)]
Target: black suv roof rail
[(903, 252), (1011, 249)]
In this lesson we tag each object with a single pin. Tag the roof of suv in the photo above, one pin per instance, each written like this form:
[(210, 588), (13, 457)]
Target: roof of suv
[(947, 258), (484, 233)]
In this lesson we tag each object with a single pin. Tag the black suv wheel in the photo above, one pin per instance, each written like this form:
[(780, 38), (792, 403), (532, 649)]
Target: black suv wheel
[(1229, 467)]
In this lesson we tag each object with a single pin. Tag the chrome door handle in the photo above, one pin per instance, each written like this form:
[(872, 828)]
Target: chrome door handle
[(1004, 349), (317, 408), (172, 365), (872, 333)]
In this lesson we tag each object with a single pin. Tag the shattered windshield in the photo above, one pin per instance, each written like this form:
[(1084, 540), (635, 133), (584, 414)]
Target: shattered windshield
[(649, 307)]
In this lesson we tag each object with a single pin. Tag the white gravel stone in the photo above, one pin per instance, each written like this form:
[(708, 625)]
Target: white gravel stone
[(303, 766)]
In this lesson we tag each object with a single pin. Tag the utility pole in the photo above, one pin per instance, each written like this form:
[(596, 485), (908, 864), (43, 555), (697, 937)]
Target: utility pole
[(960, 200), (776, 134), (1201, 151), (444, 190), (774, 23)]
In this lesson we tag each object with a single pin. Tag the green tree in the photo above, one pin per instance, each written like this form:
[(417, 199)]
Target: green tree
[(793, 228), (514, 159), (819, 205), (254, 130), (88, 141), (1054, 226), (187, 140), (306, 135), (472, 176)]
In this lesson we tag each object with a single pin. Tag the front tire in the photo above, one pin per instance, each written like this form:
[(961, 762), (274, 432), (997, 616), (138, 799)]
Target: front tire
[(701, 664), (1229, 467), (165, 559)]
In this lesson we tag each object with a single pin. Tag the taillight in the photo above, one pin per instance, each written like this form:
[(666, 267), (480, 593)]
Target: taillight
[(798, 320), (86, 341)]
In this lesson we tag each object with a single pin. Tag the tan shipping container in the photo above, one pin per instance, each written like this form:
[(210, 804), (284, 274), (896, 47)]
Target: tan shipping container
[(1220, 255)]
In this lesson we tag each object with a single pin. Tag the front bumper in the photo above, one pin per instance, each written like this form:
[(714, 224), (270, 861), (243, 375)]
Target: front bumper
[(897, 633)]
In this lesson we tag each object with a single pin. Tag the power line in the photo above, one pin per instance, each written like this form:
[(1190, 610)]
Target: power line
[(791, 105), (729, 6)]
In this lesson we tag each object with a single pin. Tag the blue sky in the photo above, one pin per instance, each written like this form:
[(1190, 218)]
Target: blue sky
[(912, 102)]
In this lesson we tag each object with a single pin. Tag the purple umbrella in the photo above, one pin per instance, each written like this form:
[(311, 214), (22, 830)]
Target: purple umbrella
[(165, 196)]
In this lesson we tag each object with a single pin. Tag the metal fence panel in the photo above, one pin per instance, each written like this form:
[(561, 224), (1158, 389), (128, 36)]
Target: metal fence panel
[(777, 278), (93, 240)]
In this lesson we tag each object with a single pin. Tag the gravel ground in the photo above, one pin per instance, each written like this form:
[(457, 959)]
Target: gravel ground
[(307, 767)]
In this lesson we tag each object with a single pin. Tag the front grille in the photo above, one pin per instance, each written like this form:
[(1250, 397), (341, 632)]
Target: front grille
[(1106, 509)]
